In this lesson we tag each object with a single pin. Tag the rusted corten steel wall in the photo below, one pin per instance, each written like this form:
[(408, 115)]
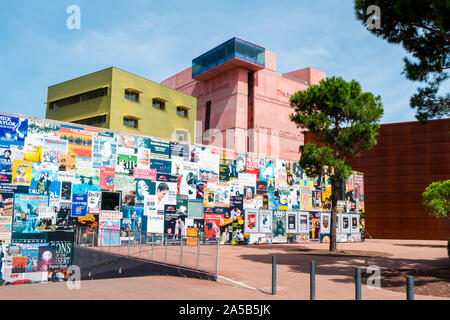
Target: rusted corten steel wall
[(407, 158)]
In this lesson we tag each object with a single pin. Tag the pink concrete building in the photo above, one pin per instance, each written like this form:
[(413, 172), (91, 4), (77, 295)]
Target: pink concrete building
[(243, 102)]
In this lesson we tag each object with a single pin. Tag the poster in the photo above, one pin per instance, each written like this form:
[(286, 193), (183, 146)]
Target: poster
[(291, 222), (86, 179), (265, 221), (127, 185), (107, 177), (148, 174), (144, 188), (252, 164), (166, 190), (25, 214), (104, 151), (212, 226), (52, 150), (354, 223), (195, 209), (21, 172), (317, 200), (42, 128), (303, 222), (32, 150), (93, 202), (67, 162), (79, 205), (109, 228), (79, 140), (314, 234), (325, 222), (66, 191), (45, 182), (180, 150), (345, 223), (217, 194), (47, 218), (155, 223), (188, 180), (13, 131), (126, 164), (251, 221), (279, 226), (174, 224), (6, 161)]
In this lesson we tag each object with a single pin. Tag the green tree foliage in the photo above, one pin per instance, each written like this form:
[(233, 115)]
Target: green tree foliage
[(422, 27), (344, 122), (436, 199)]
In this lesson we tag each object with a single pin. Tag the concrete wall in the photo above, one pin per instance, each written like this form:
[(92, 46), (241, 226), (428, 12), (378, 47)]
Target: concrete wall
[(102, 265)]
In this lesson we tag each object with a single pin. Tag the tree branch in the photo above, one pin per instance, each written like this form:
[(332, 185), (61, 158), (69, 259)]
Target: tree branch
[(440, 33)]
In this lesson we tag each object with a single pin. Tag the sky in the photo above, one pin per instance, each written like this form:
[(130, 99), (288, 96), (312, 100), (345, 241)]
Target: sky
[(157, 39)]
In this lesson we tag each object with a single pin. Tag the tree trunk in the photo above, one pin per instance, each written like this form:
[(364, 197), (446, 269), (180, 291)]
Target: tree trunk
[(334, 198)]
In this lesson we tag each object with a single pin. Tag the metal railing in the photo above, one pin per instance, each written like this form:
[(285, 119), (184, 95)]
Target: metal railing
[(193, 252)]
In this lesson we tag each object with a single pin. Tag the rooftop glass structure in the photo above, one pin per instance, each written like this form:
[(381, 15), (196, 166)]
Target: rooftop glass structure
[(234, 48)]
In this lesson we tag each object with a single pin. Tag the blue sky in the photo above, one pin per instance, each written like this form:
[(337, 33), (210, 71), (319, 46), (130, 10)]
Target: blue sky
[(156, 39)]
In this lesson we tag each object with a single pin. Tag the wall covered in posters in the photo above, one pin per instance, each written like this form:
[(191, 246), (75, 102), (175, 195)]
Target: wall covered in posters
[(56, 177)]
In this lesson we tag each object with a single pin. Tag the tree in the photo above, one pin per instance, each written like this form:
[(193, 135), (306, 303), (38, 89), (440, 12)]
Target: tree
[(344, 122), (422, 27), (436, 199)]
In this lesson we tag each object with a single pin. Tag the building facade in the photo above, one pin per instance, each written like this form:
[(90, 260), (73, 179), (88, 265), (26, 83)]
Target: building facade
[(408, 157), (118, 100), (243, 102)]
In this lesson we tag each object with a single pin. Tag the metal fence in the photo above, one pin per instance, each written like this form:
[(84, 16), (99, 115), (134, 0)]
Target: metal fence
[(193, 252)]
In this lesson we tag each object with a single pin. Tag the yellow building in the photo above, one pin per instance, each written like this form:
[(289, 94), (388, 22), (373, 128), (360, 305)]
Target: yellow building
[(118, 100)]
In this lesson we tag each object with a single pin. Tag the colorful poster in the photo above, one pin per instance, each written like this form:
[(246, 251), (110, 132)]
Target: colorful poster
[(79, 140), (155, 223), (166, 190), (86, 179), (32, 150), (47, 218), (52, 150), (345, 223), (13, 131), (267, 168), (109, 229), (251, 221), (21, 172), (279, 227), (325, 222), (227, 169), (25, 214), (41, 128), (45, 182), (144, 188), (6, 204), (143, 158), (107, 177), (125, 141), (212, 226), (188, 179), (126, 164), (241, 159), (306, 187), (217, 194), (317, 200), (314, 233), (104, 152), (127, 185), (147, 174), (67, 162), (303, 222), (265, 221), (6, 161), (252, 161), (79, 205)]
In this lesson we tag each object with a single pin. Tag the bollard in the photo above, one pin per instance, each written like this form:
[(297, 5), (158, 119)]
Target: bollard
[(312, 280), (357, 283), (409, 288), (274, 275)]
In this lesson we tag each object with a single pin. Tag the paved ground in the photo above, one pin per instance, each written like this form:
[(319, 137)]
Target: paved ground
[(334, 275), (251, 265)]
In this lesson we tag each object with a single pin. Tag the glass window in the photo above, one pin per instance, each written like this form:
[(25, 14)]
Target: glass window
[(182, 112), (132, 95), (130, 122), (97, 120), (78, 98), (158, 104)]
